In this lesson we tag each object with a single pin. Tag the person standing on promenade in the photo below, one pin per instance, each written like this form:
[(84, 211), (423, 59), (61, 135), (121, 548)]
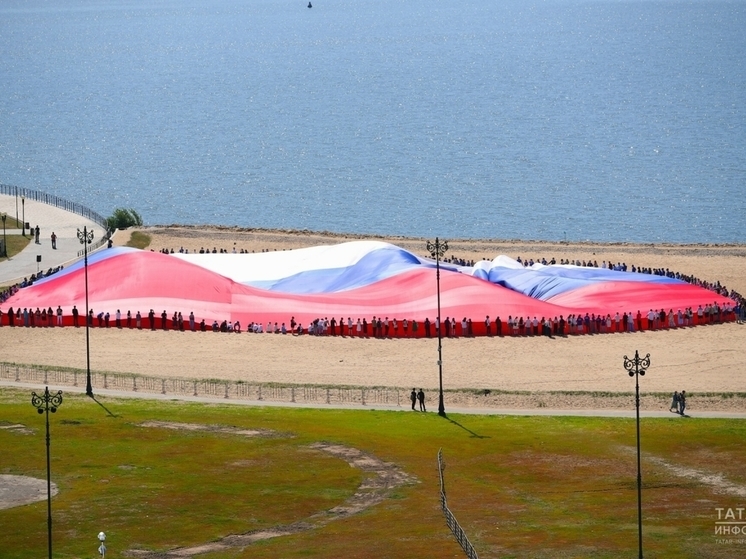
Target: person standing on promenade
[(421, 398), (36, 235), (413, 397), (674, 407), (54, 241), (682, 402), (75, 316)]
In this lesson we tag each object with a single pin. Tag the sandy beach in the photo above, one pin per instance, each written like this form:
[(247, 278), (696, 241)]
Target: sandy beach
[(702, 359)]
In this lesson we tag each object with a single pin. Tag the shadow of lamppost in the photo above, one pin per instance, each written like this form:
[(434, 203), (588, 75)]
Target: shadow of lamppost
[(45, 403), (437, 250), (86, 238), (636, 367)]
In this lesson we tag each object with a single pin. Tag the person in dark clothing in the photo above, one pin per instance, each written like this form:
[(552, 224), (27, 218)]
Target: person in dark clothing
[(413, 397), (421, 398)]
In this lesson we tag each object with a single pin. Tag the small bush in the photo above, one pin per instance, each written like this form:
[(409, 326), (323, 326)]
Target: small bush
[(139, 240), (123, 218)]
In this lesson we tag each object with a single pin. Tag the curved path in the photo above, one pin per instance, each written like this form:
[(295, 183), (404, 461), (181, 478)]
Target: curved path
[(371, 491), (49, 219)]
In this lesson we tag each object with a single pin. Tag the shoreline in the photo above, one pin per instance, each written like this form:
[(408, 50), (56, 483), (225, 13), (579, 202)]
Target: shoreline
[(206, 228), (349, 235)]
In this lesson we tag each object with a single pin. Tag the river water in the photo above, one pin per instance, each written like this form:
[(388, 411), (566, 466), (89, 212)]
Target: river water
[(596, 120)]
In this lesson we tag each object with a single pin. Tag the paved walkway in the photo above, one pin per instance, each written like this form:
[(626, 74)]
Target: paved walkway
[(405, 408), (49, 218)]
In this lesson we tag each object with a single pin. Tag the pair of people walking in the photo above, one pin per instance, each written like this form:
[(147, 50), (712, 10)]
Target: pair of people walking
[(678, 402), (416, 396)]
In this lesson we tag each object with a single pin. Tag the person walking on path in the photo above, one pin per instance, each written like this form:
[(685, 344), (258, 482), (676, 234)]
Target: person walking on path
[(54, 241), (674, 403), (36, 234), (413, 397), (682, 402), (421, 398)]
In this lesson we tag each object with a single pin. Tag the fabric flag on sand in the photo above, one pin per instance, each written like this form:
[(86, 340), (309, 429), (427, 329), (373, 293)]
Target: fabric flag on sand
[(358, 279)]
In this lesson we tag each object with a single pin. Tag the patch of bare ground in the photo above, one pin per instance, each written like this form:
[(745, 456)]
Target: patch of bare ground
[(716, 480), (22, 490), (210, 428), (382, 479)]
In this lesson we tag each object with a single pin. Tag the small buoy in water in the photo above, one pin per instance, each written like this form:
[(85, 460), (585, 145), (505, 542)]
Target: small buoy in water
[(309, 5)]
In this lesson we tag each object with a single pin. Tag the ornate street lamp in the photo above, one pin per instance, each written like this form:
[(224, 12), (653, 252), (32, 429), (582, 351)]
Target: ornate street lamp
[(437, 250), (45, 403), (86, 238), (636, 368), (5, 242)]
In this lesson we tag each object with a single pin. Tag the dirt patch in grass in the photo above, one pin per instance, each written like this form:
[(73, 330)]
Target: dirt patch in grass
[(380, 480), (211, 429), (16, 491), (716, 480)]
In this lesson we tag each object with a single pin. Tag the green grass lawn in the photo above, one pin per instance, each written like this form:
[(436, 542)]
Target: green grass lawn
[(16, 243), (520, 486)]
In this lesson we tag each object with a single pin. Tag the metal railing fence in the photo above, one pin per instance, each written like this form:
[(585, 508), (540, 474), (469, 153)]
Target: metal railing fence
[(56, 201), (451, 521), (223, 389)]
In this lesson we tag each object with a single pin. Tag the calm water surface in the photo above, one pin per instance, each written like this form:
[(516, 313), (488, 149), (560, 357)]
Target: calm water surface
[(603, 120)]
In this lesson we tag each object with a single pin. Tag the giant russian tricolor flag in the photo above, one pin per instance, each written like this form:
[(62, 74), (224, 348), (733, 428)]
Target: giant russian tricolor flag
[(358, 279)]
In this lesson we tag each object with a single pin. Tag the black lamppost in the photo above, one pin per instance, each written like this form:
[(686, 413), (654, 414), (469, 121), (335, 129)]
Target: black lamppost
[(636, 368), (437, 250), (23, 206), (5, 242), (86, 238), (45, 403)]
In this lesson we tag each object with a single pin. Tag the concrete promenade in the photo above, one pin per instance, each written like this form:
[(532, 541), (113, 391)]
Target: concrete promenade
[(628, 414), (50, 219)]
